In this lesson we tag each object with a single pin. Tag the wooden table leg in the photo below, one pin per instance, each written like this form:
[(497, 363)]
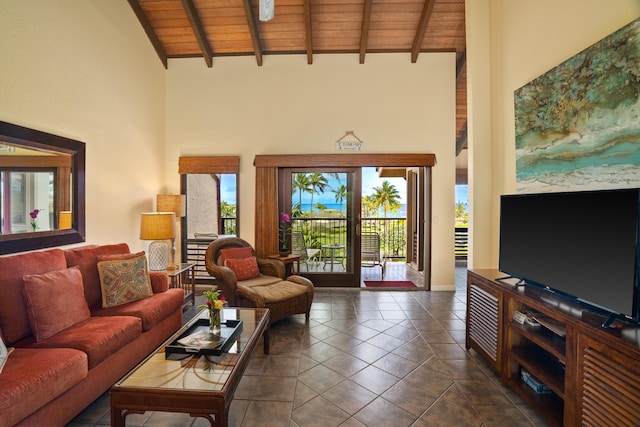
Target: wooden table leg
[(265, 338)]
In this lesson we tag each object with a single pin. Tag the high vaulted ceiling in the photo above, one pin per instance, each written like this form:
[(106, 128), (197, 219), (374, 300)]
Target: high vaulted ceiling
[(211, 28)]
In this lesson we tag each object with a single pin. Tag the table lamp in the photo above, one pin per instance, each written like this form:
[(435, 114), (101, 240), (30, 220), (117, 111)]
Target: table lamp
[(176, 203), (158, 226), (64, 220)]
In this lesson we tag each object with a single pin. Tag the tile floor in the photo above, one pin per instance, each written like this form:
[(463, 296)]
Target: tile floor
[(365, 358)]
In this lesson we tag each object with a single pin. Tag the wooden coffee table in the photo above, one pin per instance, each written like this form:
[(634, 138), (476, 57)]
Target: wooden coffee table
[(202, 386)]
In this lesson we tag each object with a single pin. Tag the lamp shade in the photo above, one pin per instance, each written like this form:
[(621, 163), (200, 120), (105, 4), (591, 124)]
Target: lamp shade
[(175, 203), (64, 220), (158, 226)]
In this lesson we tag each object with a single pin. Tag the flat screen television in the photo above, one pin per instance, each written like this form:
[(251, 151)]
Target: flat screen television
[(582, 245)]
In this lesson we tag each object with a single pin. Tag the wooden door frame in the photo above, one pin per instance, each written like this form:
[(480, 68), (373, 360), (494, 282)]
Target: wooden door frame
[(266, 201)]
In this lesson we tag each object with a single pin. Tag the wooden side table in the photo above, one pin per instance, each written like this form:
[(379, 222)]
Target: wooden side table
[(288, 262), (183, 277)]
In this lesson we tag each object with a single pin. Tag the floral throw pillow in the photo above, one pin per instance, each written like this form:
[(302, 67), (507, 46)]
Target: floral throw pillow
[(244, 268), (124, 280)]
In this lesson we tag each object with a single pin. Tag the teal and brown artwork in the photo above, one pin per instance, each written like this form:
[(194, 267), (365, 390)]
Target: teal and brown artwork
[(578, 125)]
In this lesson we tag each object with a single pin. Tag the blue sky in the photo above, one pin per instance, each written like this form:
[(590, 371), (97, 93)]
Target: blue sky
[(462, 194), (370, 180)]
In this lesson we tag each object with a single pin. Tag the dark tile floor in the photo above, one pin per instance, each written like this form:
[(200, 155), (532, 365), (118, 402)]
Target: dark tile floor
[(365, 358)]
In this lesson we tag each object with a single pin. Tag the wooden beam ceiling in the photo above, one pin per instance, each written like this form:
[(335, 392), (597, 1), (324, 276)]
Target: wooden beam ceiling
[(253, 30), (422, 29), (198, 31), (212, 28)]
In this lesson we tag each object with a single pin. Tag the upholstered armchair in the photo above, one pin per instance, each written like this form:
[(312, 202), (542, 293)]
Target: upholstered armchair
[(248, 281)]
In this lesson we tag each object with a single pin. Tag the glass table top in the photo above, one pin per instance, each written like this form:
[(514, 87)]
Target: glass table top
[(198, 372)]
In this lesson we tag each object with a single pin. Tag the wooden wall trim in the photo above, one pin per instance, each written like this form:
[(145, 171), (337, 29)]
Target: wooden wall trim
[(344, 160), (266, 216), (63, 161), (209, 164), (266, 208)]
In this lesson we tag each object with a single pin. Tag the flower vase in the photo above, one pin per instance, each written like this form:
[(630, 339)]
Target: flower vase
[(215, 321), (285, 252)]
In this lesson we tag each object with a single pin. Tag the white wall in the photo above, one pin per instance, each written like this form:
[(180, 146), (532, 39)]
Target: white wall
[(511, 42), (288, 106), (85, 70)]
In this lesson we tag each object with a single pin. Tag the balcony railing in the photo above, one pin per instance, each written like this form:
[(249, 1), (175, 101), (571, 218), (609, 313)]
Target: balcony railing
[(322, 231), (392, 231), (462, 242), (229, 226)]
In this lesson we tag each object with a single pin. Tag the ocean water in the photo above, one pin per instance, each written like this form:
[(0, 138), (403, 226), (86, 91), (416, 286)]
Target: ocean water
[(401, 213)]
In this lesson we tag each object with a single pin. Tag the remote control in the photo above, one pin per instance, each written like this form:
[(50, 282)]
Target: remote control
[(519, 317)]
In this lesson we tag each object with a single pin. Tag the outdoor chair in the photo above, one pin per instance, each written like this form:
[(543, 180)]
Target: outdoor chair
[(370, 253), (299, 247), (230, 259)]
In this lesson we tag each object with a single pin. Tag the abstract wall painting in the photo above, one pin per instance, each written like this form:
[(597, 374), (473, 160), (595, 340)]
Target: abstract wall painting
[(578, 125)]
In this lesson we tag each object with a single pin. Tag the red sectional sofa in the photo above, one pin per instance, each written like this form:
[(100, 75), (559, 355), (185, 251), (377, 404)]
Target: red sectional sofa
[(48, 381)]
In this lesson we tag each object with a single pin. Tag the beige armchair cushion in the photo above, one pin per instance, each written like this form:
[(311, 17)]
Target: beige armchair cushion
[(283, 291), (261, 280)]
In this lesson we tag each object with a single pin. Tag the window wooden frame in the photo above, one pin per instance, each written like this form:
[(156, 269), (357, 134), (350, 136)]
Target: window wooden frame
[(266, 212)]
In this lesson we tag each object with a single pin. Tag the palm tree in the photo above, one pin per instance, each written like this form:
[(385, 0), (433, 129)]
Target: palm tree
[(318, 183), (387, 197), (368, 206), (341, 194), (301, 183)]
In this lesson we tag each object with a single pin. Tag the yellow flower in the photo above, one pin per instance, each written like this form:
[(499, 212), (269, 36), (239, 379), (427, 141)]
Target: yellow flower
[(218, 304)]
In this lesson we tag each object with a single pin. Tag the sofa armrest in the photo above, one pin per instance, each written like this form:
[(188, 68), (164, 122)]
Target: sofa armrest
[(271, 267), (159, 281)]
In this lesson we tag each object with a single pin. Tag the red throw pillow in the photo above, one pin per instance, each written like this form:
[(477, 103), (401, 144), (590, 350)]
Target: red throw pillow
[(55, 301), (244, 268), (235, 253)]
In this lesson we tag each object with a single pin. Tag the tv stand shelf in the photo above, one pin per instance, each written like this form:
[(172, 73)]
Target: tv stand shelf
[(542, 337), (593, 372), (541, 366)]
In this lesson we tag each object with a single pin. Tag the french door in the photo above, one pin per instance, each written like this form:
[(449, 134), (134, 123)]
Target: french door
[(325, 206)]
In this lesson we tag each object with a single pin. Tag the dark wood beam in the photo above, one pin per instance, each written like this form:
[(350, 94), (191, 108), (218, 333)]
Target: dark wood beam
[(307, 24), (346, 160), (364, 35), (422, 29), (462, 176), (461, 139), (198, 31), (253, 30), (148, 29), (460, 65)]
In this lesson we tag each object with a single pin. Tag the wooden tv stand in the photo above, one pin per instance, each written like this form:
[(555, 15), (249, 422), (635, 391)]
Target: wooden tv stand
[(594, 372)]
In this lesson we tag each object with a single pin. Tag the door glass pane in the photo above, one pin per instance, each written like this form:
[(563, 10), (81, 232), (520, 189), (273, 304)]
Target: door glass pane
[(323, 221)]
